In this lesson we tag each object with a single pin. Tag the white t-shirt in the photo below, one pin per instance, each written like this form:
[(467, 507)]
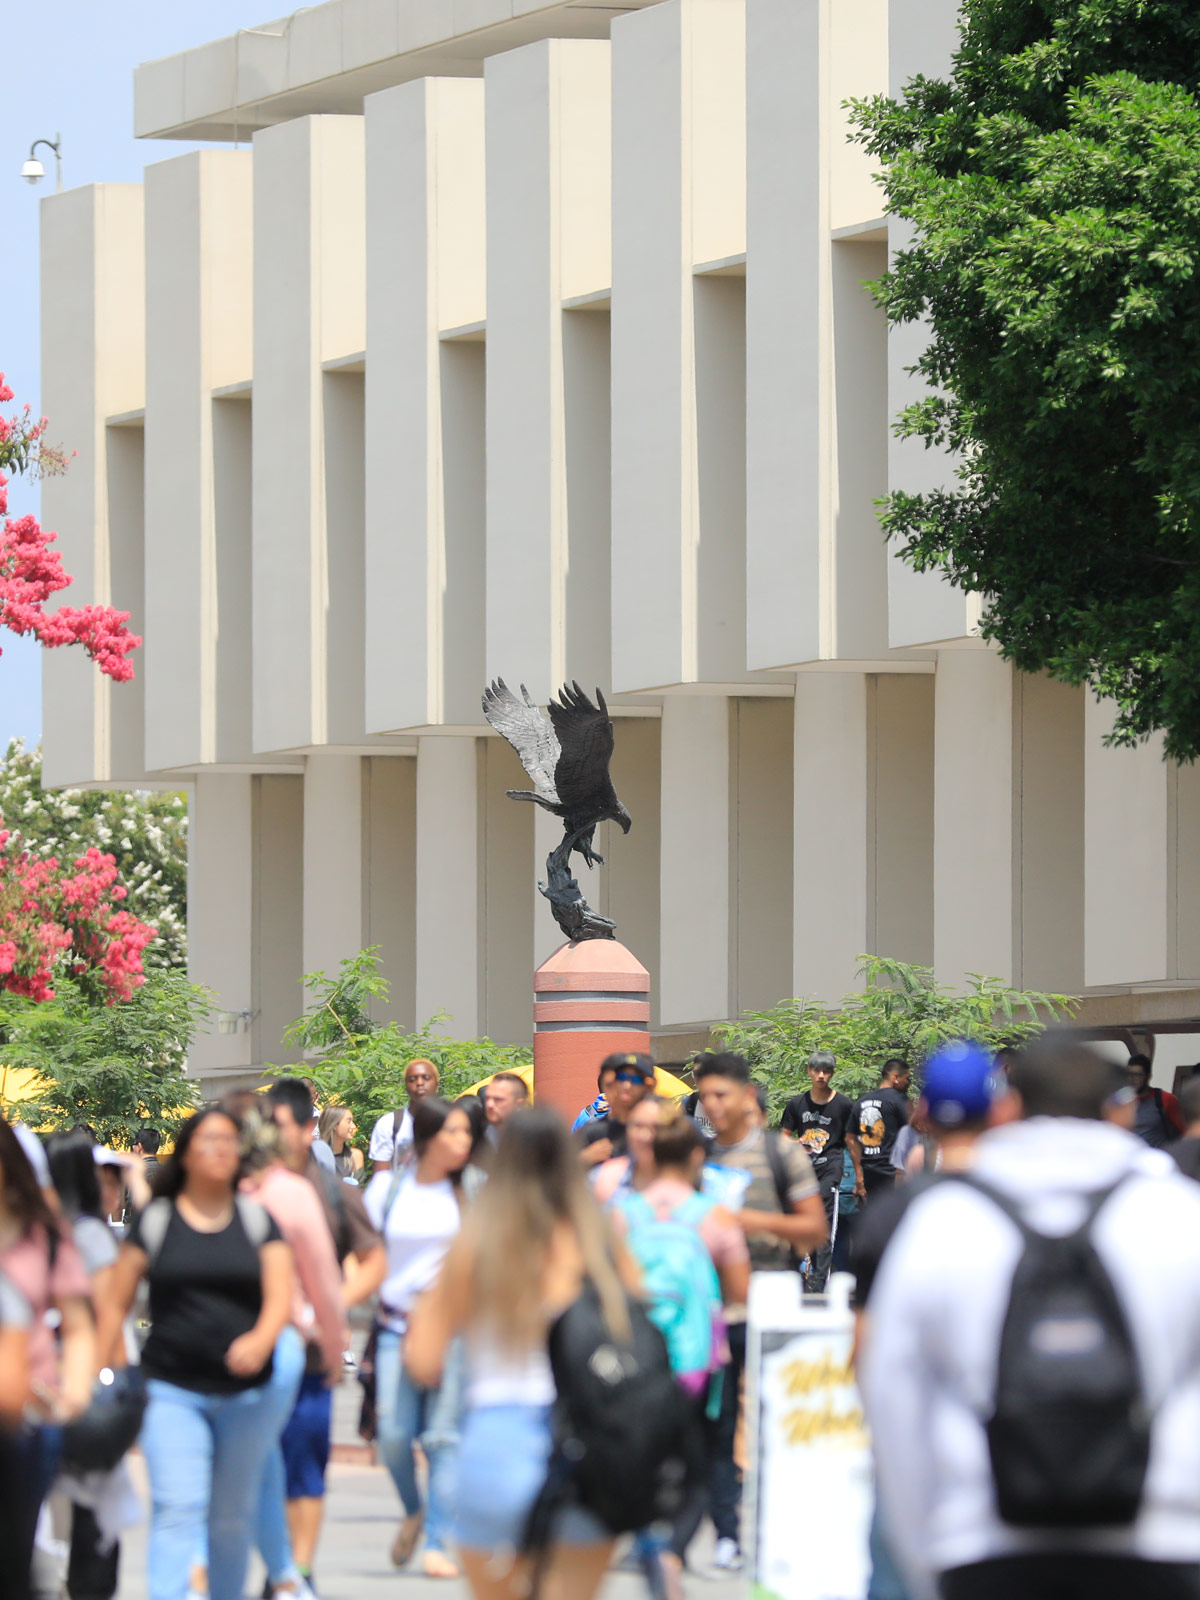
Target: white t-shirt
[(387, 1139), (418, 1229)]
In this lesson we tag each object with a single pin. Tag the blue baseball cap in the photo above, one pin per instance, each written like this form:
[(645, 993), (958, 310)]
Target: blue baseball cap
[(960, 1083)]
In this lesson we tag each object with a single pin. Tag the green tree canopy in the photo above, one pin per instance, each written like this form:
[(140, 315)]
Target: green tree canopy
[(358, 1061), (145, 832), (1053, 185), (115, 1067), (902, 1011)]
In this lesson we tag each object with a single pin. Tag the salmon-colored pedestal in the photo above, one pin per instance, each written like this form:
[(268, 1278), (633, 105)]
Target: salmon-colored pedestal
[(589, 999)]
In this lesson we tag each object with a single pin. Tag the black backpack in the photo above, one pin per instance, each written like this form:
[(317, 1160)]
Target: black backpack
[(1069, 1437), (626, 1442)]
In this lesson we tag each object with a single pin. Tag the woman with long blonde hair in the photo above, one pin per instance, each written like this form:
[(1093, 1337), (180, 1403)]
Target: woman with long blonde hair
[(520, 1261)]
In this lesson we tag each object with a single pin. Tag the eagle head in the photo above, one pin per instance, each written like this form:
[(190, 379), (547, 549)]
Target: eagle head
[(622, 816)]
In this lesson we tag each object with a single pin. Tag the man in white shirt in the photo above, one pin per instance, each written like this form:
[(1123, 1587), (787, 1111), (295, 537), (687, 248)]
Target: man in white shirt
[(931, 1348), (392, 1135)]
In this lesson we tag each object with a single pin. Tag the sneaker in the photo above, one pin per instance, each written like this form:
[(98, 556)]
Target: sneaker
[(349, 1359), (727, 1557)]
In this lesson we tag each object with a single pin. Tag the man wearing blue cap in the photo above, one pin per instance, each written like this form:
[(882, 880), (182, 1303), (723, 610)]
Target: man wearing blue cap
[(960, 1087), (981, 1493)]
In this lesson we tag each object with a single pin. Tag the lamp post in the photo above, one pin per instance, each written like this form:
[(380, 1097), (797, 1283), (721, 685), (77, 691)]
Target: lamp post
[(33, 171)]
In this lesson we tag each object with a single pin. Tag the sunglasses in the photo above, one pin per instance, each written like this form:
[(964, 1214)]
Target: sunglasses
[(631, 1077)]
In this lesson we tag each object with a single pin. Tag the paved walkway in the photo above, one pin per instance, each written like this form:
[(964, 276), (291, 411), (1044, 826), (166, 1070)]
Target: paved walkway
[(353, 1559)]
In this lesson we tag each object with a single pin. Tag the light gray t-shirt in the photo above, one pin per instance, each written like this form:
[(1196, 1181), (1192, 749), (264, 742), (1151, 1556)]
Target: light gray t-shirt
[(95, 1243), (15, 1310)]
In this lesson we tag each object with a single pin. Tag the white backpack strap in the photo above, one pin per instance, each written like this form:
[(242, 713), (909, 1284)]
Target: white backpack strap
[(152, 1230), (255, 1220)]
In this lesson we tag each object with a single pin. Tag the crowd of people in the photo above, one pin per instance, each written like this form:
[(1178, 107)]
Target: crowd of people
[(199, 1301)]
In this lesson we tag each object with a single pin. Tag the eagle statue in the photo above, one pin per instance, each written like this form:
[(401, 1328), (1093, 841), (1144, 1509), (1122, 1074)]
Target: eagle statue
[(566, 755)]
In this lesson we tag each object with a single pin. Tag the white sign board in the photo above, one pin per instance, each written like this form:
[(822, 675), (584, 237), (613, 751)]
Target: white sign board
[(809, 1484)]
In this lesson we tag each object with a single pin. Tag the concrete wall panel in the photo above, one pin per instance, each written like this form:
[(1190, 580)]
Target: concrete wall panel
[(973, 817), (829, 862), (762, 913), (694, 859), (309, 221), (93, 366), (1125, 857), (333, 850), (389, 891), (548, 137), (199, 337), (679, 84), (425, 273), (506, 869), (900, 823), (448, 886), (277, 996)]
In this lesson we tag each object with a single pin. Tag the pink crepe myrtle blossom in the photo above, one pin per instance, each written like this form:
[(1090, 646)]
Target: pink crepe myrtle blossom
[(52, 918), (31, 572)]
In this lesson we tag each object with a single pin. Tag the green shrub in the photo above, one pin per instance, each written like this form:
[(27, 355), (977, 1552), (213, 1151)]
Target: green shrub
[(116, 1067), (902, 1011), (359, 1062)]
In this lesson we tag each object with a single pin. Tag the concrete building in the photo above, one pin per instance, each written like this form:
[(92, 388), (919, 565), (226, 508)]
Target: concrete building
[(528, 338)]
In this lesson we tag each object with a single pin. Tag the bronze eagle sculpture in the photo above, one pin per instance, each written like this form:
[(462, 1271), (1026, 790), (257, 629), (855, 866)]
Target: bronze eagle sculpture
[(566, 755)]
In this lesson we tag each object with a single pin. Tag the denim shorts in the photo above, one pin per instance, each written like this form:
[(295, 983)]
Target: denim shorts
[(502, 1463), (305, 1439)]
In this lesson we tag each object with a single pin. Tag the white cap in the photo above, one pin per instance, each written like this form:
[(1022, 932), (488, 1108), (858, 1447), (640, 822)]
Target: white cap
[(34, 1149)]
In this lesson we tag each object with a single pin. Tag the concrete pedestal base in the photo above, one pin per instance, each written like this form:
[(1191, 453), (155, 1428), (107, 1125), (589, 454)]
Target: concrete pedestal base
[(590, 999)]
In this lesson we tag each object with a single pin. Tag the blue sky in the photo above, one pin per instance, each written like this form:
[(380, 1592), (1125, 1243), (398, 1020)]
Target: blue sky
[(71, 71)]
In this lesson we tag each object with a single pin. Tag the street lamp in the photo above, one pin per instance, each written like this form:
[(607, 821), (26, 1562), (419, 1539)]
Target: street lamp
[(33, 171)]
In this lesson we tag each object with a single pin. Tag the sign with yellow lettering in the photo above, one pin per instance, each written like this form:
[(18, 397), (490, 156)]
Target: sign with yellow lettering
[(810, 1460)]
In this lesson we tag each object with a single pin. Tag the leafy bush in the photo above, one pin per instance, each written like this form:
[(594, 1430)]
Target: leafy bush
[(902, 1012), (359, 1062), (116, 1067)]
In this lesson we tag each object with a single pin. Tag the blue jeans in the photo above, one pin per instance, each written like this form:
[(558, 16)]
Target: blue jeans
[(270, 1523), (406, 1415), (205, 1455)]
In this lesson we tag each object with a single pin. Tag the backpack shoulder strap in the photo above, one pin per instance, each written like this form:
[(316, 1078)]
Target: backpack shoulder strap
[(389, 1200), (156, 1219), (779, 1171), (256, 1220), (637, 1209), (694, 1209), (1095, 1201)]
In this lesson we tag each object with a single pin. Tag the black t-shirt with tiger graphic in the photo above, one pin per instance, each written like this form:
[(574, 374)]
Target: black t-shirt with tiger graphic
[(821, 1129)]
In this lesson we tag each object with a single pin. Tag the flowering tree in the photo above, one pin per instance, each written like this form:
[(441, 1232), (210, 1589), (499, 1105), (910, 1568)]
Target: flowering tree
[(53, 918), (70, 919), (144, 832), (30, 572)]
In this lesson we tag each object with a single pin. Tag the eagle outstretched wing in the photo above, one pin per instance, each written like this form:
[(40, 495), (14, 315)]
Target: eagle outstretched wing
[(526, 728), (585, 738)]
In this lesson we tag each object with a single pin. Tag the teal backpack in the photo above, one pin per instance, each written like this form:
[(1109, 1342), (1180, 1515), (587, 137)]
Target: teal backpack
[(683, 1292)]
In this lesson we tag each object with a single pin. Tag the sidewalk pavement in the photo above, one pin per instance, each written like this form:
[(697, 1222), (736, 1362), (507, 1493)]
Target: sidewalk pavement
[(360, 1524)]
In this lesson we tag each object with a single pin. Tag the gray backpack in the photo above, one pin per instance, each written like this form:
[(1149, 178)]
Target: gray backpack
[(156, 1219)]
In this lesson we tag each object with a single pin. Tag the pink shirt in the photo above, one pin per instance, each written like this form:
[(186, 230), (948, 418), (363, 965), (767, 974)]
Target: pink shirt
[(723, 1239), (27, 1263), (317, 1284)]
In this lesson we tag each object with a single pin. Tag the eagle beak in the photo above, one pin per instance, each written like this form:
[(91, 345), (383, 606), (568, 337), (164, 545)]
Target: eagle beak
[(625, 820)]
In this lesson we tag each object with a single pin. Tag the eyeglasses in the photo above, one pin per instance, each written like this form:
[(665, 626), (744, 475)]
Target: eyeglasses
[(631, 1077)]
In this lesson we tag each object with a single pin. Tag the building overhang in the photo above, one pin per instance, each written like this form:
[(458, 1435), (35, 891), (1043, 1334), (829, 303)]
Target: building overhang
[(325, 59)]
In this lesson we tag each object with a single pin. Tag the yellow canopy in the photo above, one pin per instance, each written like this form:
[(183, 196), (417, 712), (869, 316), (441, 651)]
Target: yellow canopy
[(665, 1083), (19, 1083)]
